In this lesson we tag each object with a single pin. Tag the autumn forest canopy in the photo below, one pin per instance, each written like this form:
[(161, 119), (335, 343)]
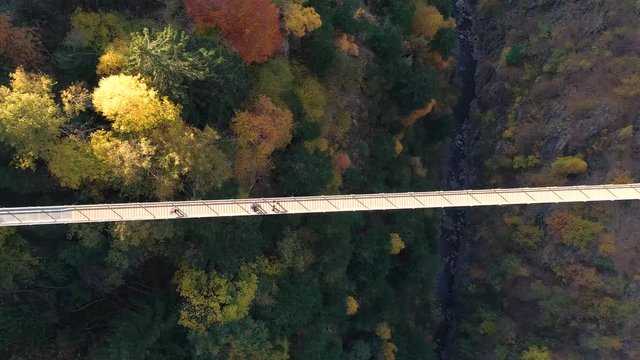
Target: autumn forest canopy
[(132, 101), (109, 101)]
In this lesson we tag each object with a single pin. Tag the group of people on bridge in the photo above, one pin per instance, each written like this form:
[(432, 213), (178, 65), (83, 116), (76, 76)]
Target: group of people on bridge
[(276, 208)]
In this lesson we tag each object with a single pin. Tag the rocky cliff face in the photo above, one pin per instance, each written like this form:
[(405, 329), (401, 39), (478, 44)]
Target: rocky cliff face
[(557, 102)]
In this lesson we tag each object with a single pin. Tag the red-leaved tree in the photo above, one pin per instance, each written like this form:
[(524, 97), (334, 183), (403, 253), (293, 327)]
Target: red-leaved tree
[(251, 26)]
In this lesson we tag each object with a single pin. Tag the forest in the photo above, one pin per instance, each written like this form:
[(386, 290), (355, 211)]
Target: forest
[(106, 101)]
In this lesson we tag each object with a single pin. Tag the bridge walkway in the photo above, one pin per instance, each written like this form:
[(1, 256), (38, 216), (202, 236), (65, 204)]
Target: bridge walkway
[(67, 214)]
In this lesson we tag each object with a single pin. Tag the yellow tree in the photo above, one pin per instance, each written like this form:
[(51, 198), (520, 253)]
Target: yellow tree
[(299, 20), (71, 161), (97, 30), (186, 151), (312, 95), (209, 167), (128, 159), (75, 99), (397, 245), (383, 331), (131, 105), (387, 351), (113, 60), (29, 118), (351, 305), (160, 160), (214, 298), (427, 21), (150, 238)]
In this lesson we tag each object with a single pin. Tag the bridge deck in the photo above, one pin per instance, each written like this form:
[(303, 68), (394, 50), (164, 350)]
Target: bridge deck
[(66, 214)]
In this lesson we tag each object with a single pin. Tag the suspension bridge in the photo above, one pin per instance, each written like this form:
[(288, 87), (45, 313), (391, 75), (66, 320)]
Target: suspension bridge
[(68, 214)]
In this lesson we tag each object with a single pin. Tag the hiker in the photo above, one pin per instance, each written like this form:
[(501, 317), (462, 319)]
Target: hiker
[(255, 208), (177, 212)]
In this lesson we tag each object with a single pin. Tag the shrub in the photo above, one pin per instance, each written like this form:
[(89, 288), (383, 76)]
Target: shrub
[(513, 267), (351, 305), (527, 235), (626, 132), (605, 343), (275, 80), (573, 229), (514, 55), (312, 96), (536, 353), (629, 87), (347, 45), (523, 162), (568, 165), (341, 161), (383, 331), (607, 245), (396, 244), (554, 64)]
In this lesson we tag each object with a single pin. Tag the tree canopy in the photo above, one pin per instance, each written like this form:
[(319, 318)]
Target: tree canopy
[(131, 105), (252, 26), (215, 99), (30, 120), (211, 298), (167, 62)]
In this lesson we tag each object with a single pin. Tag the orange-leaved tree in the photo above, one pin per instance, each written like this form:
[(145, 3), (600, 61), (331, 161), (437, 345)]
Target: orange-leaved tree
[(341, 161), (19, 44), (264, 127), (251, 26), (347, 45), (261, 129)]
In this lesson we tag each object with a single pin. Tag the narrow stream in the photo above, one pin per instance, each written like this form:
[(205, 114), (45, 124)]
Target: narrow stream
[(454, 169)]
